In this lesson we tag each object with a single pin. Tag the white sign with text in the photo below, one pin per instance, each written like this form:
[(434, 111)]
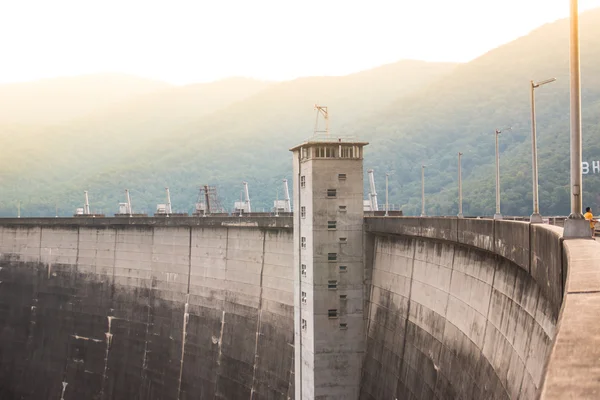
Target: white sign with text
[(585, 167)]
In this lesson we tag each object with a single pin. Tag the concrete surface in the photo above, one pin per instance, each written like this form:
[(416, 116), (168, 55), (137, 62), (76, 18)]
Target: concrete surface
[(330, 348), (145, 311), (122, 308), (574, 367), (455, 312)]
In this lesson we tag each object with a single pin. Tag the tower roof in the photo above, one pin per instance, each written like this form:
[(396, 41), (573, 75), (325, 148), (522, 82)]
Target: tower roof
[(329, 140)]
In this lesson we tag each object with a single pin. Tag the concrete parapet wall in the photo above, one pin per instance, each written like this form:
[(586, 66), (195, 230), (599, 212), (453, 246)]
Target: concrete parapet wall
[(146, 308), (573, 368), (461, 308)]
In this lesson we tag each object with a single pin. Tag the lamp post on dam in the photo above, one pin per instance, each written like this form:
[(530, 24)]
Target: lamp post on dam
[(423, 190), (535, 216), (460, 210), (498, 215), (575, 226)]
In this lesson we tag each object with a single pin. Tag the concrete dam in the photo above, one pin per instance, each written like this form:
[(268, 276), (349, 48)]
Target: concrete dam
[(203, 308), (326, 304)]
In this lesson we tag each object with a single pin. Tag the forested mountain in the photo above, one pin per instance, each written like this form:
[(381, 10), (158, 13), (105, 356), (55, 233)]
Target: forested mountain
[(462, 111), (165, 140), (411, 112)]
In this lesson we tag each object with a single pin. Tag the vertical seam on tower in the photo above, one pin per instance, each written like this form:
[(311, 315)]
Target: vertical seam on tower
[(258, 322)]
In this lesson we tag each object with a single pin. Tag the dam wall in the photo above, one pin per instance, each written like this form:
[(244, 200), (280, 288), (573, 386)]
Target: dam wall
[(460, 308), (146, 308)]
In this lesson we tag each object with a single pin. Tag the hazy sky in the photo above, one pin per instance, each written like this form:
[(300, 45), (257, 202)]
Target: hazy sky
[(199, 40)]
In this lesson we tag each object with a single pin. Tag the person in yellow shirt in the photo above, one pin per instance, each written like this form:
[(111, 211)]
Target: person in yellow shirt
[(590, 217)]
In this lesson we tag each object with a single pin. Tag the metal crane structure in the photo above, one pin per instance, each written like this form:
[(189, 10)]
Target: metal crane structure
[(373, 193), (243, 206), (165, 208), (86, 206), (125, 208), (286, 191), (322, 111), (208, 202), (283, 205)]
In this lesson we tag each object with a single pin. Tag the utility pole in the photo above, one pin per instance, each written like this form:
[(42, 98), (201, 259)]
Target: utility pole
[(168, 208), (422, 190), (498, 215), (19, 210), (575, 226), (277, 201), (535, 218), (128, 202), (387, 207), (460, 210), (86, 205)]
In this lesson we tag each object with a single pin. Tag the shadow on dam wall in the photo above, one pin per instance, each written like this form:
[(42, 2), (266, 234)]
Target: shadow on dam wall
[(460, 308), (145, 312)]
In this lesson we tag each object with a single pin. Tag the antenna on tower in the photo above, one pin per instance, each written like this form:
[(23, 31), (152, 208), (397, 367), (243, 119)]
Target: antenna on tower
[(322, 111)]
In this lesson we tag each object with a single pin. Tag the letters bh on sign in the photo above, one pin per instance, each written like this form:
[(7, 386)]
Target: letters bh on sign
[(585, 167)]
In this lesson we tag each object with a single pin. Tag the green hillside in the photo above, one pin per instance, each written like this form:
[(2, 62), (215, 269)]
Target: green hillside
[(461, 112), (153, 147), (411, 112)]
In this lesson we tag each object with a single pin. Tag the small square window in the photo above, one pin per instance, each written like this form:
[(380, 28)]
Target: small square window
[(332, 313), (342, 177), (342, 208), (303, 324), (331, 224), (303, 269), (331, 193), (302, 212), (331, 256), (332, 285), (343, 326), (343, 297), (343, 240), (303, 242), (302, 181), (303, 297), (343, 268)]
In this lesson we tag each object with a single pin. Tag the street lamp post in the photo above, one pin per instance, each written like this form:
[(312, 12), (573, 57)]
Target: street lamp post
[(386, 195), (460, 210), (498, 215), (535, 218), (575, 226), (422, 190)]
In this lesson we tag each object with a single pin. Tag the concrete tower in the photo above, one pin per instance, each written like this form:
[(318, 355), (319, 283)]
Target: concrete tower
[(328, 281)]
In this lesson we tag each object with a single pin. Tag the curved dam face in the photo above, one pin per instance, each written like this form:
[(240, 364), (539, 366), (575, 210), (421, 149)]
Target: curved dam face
[(155, 310), (203, 308), (460, 308)]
